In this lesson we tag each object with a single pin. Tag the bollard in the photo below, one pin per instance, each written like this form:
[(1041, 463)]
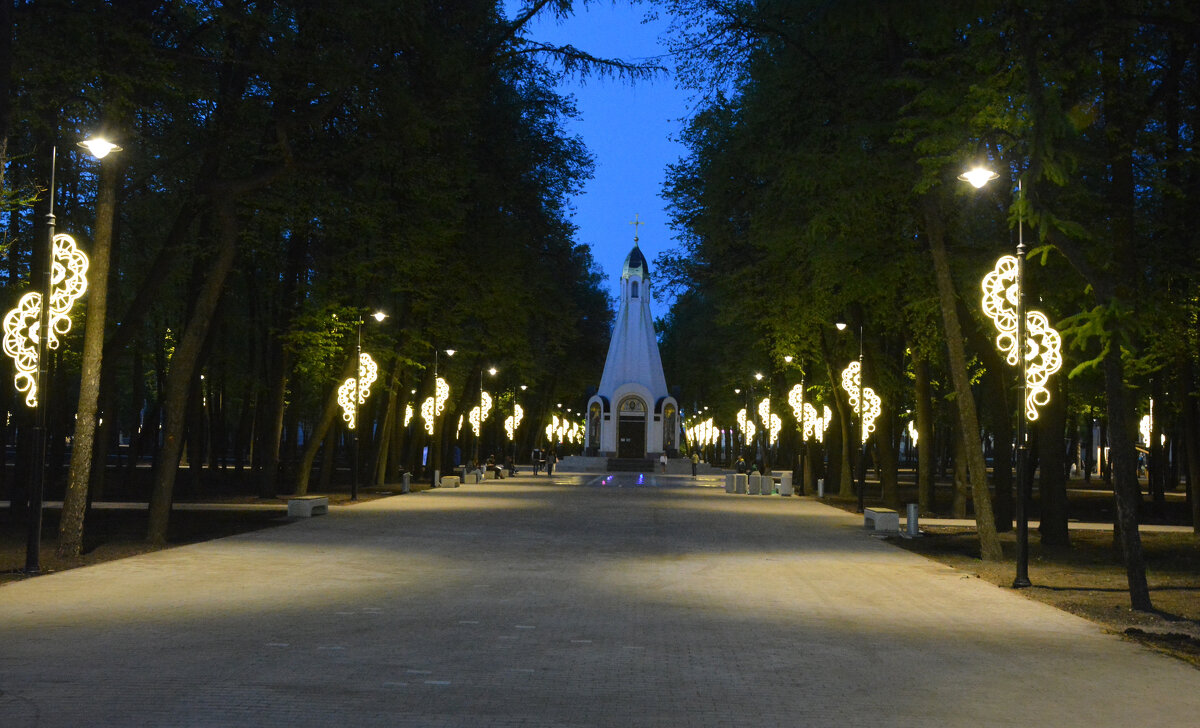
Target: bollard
[(820, 487), (729, 483), (785, 484), (913, 529), (406, 483), (437, 478), (739, 482), (754, 484)]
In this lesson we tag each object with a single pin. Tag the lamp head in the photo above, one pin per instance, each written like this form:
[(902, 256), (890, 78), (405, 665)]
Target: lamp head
[(737, 391), (758, 376), (492, 371), (788, 358), (841, 325), (524, 387), (99, 147), (449, 352), (379, 316), (978, 176)]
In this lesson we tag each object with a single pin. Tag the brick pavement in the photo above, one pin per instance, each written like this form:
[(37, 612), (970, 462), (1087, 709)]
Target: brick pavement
[(576, 604)]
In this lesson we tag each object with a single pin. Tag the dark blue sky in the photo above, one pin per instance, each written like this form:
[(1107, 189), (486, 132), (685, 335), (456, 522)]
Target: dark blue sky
[(627, 127)]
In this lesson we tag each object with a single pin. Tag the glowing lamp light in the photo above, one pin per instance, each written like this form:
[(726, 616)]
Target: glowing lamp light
[(458, 432), (98, 147), (776, 427), (1043, 351), (977, 177), (68, 281), (912, 432), (408, 414), (442, 390)]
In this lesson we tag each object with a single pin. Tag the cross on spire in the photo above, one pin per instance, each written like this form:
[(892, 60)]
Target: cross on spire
[(635, 223)]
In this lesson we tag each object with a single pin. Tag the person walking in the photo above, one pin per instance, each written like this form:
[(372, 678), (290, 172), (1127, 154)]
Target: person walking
[(551, 459), (695, 462), (662, 460)]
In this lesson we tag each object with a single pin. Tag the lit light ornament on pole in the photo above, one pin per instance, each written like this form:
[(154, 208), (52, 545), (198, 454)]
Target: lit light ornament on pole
[(486, 400), (814, 425), (68, 282), (1043, 352), (408, 414), (513, 421), (746, 425), (432, 407), (912, 432), (874, 406), (369, 371), (771, 422)]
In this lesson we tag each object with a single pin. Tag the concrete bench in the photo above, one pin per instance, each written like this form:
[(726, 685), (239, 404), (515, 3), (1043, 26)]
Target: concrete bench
[(307, 506), (449, 481), (881, 519)]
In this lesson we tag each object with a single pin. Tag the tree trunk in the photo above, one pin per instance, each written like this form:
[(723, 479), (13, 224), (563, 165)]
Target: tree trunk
[(1124, 468), (70, 529), (1052, 483), (958, 508), (985, 522), (183, 368), (319, 435), (273, 431), (926, 447)]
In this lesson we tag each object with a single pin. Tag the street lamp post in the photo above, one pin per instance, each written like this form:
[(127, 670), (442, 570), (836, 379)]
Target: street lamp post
[(479, 439), (379, 316), (862, 411), (435, 456), (977, 178), (99, 148)]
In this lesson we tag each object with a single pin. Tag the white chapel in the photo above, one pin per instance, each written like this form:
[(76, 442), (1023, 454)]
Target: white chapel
[(632, 415)]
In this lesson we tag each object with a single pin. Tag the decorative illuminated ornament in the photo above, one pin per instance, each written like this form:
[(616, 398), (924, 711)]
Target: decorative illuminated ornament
[(796, 400), (513, 421), (1144, 429), (776, 427), (427, 408), (442, 391), (368, 370), (408, 414), (815, 425), (474, 414), (1043, 352), (851, 378), (764, 412), (746, 425), (458, 432), (912, 432), (68, 281)]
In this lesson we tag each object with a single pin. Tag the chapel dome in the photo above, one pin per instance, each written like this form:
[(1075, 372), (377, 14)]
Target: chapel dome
[(635, 264)]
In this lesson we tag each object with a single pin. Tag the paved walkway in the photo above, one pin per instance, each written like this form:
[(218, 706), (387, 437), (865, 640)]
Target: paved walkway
[(585, 603)]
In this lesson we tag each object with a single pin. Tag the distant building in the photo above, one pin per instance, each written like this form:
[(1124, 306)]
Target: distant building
[(631, 414)]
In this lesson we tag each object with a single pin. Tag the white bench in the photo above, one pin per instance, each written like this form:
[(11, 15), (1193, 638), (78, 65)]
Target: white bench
[(881, 519), (449, 481), (307, 506)]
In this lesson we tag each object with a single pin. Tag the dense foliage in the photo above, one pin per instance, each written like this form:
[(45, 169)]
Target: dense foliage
[(821, 183), (290, 166)]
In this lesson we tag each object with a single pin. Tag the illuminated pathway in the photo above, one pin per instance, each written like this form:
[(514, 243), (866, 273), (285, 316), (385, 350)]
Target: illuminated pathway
[(533, 604)]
